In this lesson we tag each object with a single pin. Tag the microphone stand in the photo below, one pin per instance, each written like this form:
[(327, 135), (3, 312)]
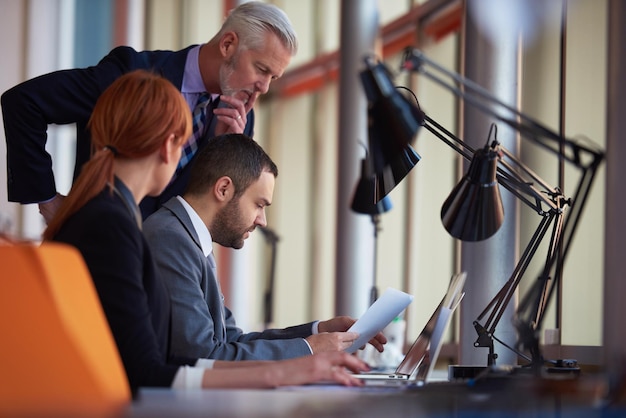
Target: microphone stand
[(374, 290), (268, 298)]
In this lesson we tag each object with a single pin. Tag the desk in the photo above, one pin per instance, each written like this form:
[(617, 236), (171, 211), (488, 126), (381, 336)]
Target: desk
[(492, 397), (245, 403)]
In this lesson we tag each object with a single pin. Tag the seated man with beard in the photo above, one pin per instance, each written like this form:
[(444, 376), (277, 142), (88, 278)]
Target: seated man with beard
[(231, 183)]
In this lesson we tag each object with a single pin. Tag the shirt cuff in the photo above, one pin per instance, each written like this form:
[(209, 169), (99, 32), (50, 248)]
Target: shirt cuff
[(205, 363), (314, 330), (188, 377), (308, 345)]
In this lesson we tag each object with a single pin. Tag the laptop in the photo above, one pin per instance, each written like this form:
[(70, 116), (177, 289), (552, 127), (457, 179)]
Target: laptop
[(420, 360)]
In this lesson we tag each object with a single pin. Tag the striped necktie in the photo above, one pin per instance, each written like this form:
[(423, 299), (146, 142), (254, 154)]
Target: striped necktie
[(199, 121)]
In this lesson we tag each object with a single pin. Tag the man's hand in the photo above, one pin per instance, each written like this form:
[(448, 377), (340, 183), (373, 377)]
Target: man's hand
[(331, 341), (231, 114), (343, 323), (49, 209), (322, 367)]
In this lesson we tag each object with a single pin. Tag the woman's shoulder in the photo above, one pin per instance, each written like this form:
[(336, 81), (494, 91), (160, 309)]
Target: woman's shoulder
[(105, 214), (106, 206)]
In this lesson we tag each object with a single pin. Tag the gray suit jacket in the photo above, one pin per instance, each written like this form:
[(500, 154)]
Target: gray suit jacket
[(201, 325)]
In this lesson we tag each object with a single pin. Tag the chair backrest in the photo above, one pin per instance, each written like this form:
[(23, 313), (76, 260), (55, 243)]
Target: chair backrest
[(57, 353)]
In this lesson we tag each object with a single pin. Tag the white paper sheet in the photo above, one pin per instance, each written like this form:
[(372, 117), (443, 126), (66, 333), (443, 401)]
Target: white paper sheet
[(388, 306)]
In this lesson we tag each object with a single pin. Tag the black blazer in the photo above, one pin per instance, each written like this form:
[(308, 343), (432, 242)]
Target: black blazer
[(133, 298), (68, 96)]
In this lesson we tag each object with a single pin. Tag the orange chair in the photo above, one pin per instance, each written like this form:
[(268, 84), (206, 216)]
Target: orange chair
[(57, 352)]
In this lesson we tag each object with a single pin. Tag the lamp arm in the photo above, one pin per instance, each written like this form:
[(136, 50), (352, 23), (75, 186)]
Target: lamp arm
[(547, 190), (448, 138), (515, 350), (544, 280), (531, 311), (575, 152), (499, 303)]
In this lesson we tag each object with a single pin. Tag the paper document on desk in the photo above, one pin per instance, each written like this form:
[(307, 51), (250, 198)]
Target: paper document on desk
[(375, 319)]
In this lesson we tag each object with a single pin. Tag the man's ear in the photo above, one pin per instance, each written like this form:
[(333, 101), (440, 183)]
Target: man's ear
[(167, 148), (228, 44), (224, 189)]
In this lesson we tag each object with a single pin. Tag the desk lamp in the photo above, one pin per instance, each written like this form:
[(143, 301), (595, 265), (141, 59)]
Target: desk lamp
[(473, 210)]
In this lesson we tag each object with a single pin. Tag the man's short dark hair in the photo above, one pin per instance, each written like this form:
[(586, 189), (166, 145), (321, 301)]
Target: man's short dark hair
[(234, 155)]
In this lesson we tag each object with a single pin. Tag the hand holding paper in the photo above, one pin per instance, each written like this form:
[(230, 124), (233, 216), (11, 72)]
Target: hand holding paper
[(378, 316)]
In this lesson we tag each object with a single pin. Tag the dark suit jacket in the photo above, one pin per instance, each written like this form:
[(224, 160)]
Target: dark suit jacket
[(68, 96), (133, 298), (201, 325)]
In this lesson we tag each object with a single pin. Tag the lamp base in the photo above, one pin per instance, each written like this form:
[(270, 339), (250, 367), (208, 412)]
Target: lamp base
[(458, 372), (566, 368)]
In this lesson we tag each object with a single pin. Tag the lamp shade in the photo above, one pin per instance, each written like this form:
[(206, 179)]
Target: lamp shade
[(393, 122), (394, 170), (473, 211), (364, 199)]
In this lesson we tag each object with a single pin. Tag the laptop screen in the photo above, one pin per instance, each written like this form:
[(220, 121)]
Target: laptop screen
[(425, 349)]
